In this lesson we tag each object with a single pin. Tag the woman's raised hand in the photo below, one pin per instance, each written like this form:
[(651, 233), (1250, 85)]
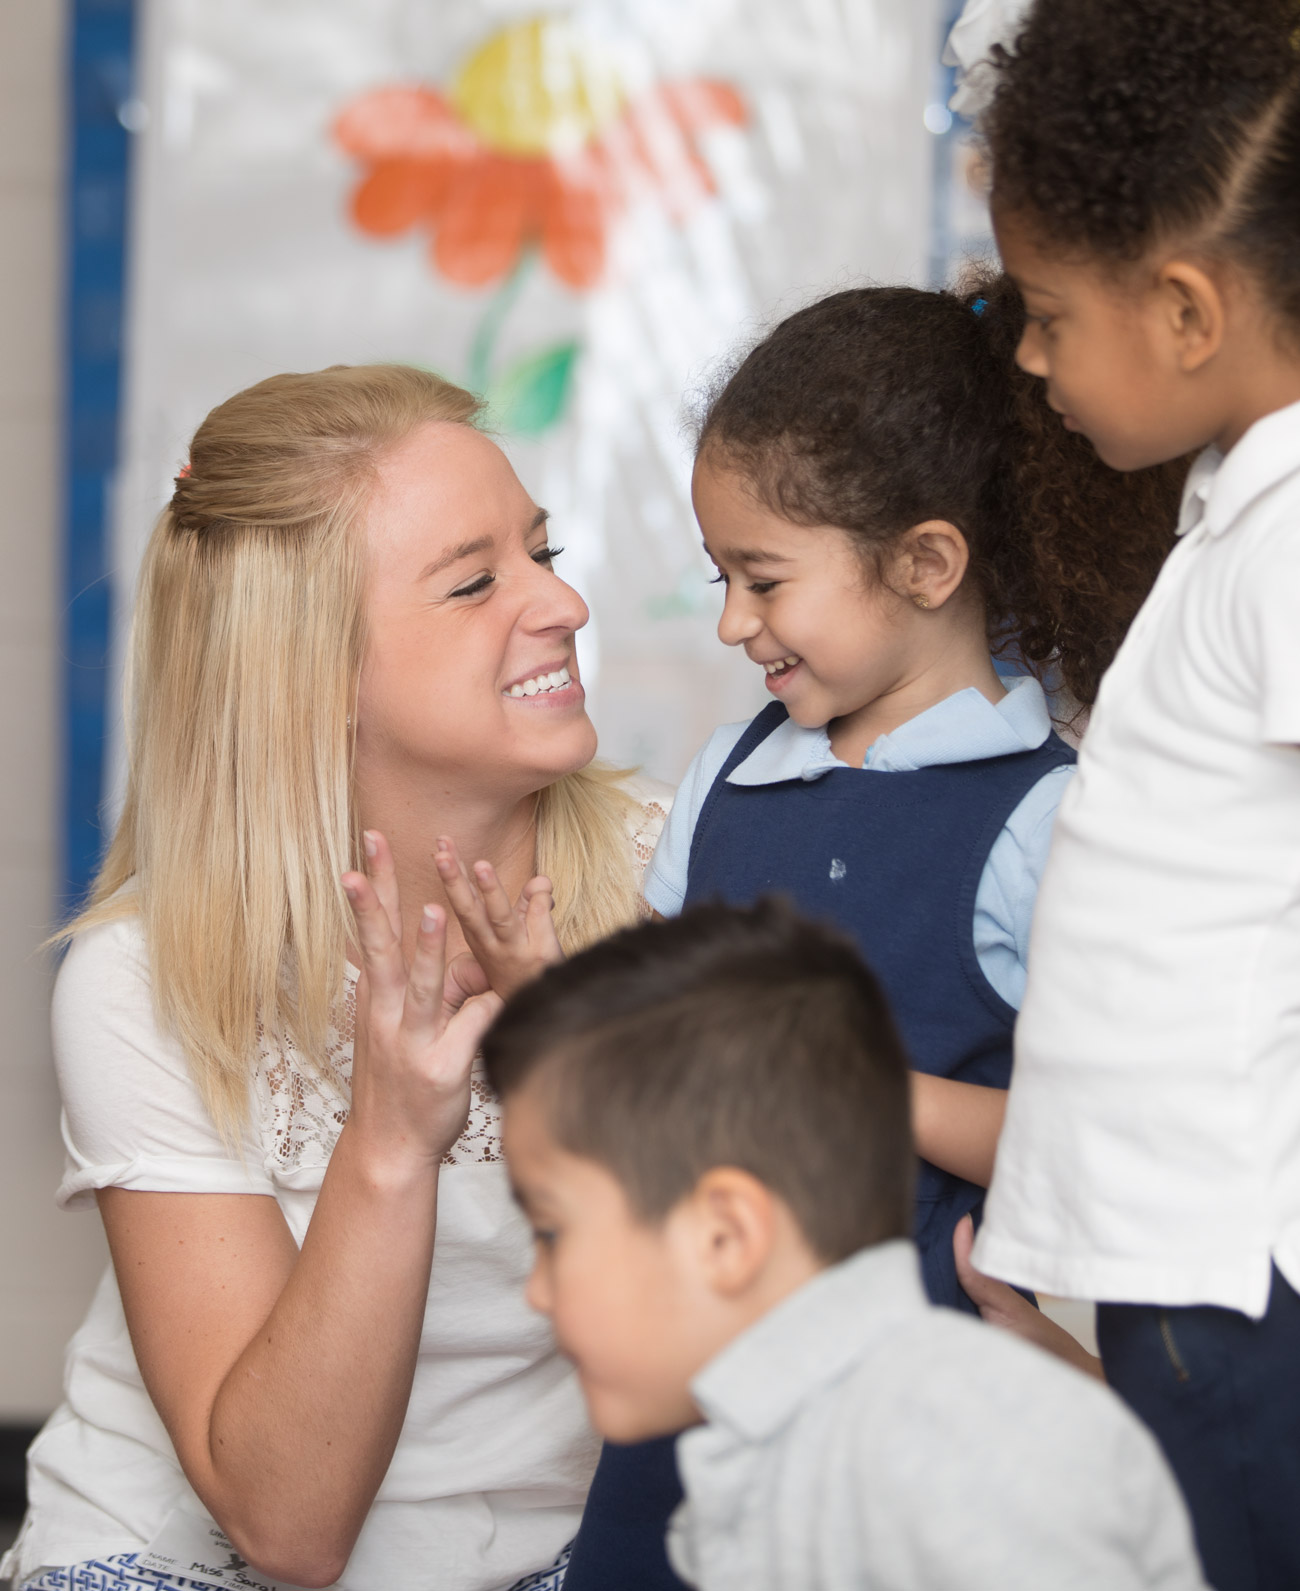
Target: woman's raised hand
[(512, 944), (416, 1033)]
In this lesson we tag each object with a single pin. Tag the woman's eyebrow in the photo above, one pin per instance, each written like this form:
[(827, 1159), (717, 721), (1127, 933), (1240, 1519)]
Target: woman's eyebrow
[(465, 549)]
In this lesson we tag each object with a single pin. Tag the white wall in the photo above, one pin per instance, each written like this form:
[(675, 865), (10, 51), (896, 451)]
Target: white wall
[(48, 1261)]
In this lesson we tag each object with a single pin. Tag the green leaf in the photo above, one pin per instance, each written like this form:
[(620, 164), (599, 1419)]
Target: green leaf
[(533, 393)]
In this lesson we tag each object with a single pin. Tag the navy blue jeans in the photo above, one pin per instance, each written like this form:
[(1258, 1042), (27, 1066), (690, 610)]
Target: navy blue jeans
[(620, 1543), (1221, 1392)]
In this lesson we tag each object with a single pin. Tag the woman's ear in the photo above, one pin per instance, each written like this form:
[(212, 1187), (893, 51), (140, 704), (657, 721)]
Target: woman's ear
[(931, 560), (735, 1221)]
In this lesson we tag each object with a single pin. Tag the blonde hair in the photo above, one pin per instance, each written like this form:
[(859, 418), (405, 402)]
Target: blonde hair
[(246, 649)]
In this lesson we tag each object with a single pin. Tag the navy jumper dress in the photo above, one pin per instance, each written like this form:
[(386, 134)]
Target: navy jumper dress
[(894, 860)]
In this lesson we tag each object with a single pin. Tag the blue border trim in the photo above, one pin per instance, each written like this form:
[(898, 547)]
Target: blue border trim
[(100, 76)]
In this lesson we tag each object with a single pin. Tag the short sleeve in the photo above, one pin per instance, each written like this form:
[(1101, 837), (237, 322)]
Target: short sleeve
[(1273, 596), (1008, 886), (665, 879), (132, 1115)]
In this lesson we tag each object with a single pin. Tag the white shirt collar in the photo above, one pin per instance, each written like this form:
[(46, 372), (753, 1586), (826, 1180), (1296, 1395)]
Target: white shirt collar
[(1220, 488), (965, 727), (758, 1380)]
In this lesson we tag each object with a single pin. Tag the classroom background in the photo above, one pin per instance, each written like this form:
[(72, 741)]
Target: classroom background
[(579, 212)]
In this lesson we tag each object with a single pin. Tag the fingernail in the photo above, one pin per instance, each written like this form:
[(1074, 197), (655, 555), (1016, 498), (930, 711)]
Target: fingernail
[(429, 919), (482, 868), (441, 843), (371, 842), (350, 889)]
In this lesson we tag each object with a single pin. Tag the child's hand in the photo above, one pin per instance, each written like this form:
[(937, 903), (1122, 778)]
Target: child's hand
[(510, 944), (1003, 1306)]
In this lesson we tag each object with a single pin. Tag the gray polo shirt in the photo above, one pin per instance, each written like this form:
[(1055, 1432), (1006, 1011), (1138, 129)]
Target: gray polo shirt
[(857, 1436)]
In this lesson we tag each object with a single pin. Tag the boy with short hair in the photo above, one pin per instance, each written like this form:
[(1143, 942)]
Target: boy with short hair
[(706, 1122)]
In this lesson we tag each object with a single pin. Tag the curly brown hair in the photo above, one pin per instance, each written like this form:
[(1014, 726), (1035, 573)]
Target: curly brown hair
[(881, 407), (1116, 126)]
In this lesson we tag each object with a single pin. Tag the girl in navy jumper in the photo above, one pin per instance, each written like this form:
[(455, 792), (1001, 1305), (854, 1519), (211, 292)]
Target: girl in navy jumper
[(890, 504)]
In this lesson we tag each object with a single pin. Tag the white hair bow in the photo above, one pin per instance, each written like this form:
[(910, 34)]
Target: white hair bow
[(982, 24)]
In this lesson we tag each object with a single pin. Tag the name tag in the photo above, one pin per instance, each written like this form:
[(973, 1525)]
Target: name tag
[(193, 1547)]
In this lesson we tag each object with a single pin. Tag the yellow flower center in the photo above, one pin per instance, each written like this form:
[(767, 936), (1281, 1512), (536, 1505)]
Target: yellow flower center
[(538, 88)]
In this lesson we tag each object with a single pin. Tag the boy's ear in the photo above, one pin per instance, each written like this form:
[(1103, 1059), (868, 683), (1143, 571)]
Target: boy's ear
[(1193, 310), (735, 1220)]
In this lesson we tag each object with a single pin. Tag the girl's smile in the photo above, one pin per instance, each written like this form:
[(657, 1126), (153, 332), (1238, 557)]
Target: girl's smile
[(780, 673)]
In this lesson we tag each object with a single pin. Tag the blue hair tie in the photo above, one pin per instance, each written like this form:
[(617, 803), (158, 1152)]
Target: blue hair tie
[(979, 306)]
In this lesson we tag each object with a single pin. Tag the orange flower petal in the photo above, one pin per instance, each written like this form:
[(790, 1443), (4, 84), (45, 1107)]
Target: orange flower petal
[(576, 220), (704, 102), (666, 152), (398, 193), (493, 207), (394, 122)]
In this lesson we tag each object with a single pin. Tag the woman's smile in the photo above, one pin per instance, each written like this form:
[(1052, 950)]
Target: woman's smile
[(555, 684)]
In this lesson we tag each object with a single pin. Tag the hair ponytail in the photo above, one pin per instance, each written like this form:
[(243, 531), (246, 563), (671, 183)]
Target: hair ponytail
[(1075, 546), (878, 408)]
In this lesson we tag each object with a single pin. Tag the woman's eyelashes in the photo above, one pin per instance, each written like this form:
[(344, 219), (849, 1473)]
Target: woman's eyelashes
[(544, 555)]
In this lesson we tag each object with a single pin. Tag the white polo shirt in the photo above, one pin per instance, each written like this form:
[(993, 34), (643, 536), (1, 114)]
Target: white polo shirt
[(1151, 1151)]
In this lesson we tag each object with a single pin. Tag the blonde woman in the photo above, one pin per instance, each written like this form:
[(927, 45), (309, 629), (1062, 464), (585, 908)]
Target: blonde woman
[(350, 647)]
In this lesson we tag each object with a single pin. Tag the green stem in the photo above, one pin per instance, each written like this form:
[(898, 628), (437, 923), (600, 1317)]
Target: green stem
[(489, 328)]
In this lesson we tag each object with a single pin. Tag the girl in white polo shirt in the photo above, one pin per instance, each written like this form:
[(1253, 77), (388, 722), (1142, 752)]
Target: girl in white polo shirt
[(1146, 197)]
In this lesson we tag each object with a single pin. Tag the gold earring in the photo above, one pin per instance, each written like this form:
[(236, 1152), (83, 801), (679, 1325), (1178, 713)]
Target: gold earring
[(921, 600)]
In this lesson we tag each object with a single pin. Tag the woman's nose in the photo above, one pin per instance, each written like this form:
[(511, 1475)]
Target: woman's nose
[(739, 623), (555, 605)]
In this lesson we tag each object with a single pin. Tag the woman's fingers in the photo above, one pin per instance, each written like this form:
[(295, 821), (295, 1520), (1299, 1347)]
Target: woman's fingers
[(422, 1016), (470, 1024), (381, 949), (382, 873), (461, 892), (464, 979), (539, 921), (496, 903)]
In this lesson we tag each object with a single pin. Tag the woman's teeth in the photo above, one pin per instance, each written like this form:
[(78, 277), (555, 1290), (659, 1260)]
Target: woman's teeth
[(541, 684), (781, 666)]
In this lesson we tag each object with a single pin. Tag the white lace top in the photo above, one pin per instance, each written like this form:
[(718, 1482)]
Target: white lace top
[(494, 1459)]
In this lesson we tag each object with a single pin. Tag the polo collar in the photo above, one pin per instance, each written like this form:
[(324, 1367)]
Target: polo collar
[(964, 727), (1221, 487), (810, 1340)]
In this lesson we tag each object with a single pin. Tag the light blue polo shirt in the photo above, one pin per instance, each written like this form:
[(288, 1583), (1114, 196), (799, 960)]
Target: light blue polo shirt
[(966, 727)]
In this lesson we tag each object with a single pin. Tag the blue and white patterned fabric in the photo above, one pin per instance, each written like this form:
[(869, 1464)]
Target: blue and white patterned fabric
[(119, 1573)]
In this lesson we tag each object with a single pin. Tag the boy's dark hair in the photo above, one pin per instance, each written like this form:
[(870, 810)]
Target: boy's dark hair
[(878, 408), (1116, 126), (724, 1037)]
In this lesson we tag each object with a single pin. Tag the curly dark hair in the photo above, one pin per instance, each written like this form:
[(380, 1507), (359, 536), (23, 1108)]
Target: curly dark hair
[(881, 407), (1116, 126)]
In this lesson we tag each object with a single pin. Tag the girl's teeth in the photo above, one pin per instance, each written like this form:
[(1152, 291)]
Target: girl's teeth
[(542, 683), (778, 668)]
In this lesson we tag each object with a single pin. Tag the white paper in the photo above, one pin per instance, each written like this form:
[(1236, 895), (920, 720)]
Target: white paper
[(191, 1547)]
